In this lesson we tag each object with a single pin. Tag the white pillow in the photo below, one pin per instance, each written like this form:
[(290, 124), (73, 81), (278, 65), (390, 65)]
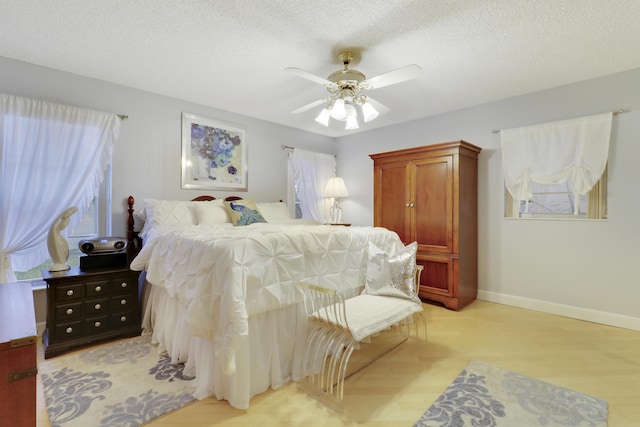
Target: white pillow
[(212, 212), (391, 275), (274, 212), (167, 212)]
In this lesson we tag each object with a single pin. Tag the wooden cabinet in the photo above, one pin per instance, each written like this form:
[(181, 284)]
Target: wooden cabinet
[(18, 369), (89, 306), (429, 194)]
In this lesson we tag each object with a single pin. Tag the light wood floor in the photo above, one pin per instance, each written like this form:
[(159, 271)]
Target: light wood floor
[(598, 360)]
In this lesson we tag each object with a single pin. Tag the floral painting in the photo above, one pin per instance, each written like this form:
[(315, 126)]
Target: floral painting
[(214, 155)]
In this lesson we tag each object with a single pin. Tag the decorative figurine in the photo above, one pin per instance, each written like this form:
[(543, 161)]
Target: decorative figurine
[(57, 244)]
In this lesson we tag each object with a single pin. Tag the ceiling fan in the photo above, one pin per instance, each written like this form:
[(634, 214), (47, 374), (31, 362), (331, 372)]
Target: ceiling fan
[(346, 89)]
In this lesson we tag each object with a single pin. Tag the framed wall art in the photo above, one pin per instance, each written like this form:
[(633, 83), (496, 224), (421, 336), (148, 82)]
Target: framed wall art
[(214, 154)]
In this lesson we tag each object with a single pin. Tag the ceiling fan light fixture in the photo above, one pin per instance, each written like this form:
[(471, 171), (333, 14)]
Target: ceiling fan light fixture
[(323, 117), (338, 111), (369, 112), (346, 89)]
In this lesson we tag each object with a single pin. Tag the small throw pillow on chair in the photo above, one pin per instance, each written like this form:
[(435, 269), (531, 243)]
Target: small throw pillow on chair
[(391, 275)]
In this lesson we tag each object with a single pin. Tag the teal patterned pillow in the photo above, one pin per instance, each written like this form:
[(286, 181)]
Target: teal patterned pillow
[(243, 212), (391, 275)]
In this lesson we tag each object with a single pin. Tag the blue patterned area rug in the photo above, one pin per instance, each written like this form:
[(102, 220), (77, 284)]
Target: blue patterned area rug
[(485, 395), (125, 383)]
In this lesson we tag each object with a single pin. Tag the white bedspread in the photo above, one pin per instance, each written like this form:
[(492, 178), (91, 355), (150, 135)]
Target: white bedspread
[(222, 274)]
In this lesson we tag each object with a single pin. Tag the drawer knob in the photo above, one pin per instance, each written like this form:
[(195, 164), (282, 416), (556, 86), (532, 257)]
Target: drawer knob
[(69, 330), (123, 318), (98, 288), (97, 324), (123, 302), (69, 310), (124, 285), (97, 306), (70, 292)]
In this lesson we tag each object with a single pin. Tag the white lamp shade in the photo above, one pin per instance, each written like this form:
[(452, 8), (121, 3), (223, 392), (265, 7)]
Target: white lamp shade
[(352, 116), (323, 117), (369, 112), (336, 188), (352, 123), (338, 112)]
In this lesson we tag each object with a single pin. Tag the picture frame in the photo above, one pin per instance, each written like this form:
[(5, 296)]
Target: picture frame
[(214, 154)]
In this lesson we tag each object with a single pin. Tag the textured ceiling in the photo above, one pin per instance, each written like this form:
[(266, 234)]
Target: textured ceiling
[(231, 54)]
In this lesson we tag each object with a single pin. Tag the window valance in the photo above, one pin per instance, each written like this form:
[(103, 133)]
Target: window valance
[(574, 150)]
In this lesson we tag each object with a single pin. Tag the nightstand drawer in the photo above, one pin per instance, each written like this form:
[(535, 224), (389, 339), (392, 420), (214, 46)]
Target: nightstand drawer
[(96, 325), (124, 285), (96, 307), (68, 312), (69, 292), (122, 303), (123, 319), (68, 330), (93, 289)]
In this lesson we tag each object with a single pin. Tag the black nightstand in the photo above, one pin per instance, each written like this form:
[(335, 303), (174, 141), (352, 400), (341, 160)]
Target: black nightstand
[(88, 306)]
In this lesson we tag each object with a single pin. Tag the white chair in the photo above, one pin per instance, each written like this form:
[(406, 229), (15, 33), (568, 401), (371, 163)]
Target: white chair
[(339, 325)]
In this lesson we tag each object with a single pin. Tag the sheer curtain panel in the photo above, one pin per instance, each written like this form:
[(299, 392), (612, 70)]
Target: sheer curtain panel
[(311, 171), (574, 150), (52, 157)]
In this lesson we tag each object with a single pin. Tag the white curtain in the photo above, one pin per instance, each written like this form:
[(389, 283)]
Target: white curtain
[(311, 171), (574, 150), (52, 157)]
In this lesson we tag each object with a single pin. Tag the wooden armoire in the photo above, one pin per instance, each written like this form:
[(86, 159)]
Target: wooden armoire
[(429, 194)]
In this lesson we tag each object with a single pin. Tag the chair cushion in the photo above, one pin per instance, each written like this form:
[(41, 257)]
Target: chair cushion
[(370, 314)]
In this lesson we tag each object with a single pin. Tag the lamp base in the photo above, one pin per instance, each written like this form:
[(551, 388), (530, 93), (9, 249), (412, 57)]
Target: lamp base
[(336, 213)]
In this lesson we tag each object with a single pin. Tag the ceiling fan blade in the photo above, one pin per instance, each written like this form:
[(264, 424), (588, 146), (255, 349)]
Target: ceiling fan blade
[(307, 75), (310, 106), (399, 75), (380, 108)]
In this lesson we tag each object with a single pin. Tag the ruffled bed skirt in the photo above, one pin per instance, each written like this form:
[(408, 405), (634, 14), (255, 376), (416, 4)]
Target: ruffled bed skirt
[(268, 357)]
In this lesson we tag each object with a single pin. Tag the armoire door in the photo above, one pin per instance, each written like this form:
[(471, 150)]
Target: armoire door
[(432, 204), (391, 197)]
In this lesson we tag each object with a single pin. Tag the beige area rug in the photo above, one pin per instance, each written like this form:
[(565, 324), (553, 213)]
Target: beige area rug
[(124, 383), (485, 395)]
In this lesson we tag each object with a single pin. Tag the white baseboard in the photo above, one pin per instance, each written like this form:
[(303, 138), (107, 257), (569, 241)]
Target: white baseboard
[(588, 315)]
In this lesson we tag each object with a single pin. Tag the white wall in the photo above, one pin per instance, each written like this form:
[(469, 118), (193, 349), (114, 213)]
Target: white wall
[(584, 269)]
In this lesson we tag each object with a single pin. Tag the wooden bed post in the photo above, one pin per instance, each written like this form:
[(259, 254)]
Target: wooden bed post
[(132, 236)]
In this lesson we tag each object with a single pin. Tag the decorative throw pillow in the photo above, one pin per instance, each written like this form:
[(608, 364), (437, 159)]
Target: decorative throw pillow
[(243, 212), (391, 275)]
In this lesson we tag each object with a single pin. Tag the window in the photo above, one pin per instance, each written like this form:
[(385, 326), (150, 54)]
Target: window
[(308, 173), (557, 202), (96, 222)]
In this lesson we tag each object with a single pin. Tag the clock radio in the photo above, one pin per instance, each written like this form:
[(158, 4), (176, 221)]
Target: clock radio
[(102, 245)]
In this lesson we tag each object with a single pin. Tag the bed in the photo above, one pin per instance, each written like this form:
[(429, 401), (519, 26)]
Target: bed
[(221, 297)]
